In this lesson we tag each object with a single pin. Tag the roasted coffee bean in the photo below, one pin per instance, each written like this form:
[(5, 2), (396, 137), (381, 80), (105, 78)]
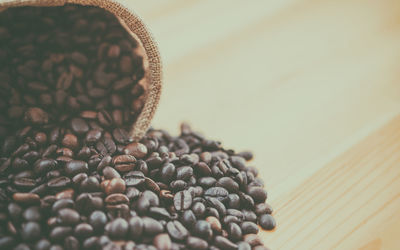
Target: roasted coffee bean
[(252, 239), (267, 222), (70, 141), (234, 231), (184, 173), (224, 243), (249, 227), (110, 173), (136, 227), (188, 218), (134, 178), (152, 185), (116, 199), (167, 172), (196, 243), (62, 203), (198, 209), (176, 230), (32, 214), (98, 220), (159, 213), (152, 226), (59, 233), (162, 242), (124, 163), (71, 243), (117, 229), (263, 208), (229, 184), (203, 229), (67, 216), (79, 126), (115, 185), (30, 231), (182, 200), (44, 165), (215, 224), (59, 182), (75, 167), (26, 198), (136, 149), (93, 136), (258, 194), (215, 203)]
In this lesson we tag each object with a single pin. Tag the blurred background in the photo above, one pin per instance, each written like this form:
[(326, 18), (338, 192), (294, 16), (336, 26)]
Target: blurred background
[(312, 88)]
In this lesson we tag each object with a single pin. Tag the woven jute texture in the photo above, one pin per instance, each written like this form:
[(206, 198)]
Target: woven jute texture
[(135, 27)]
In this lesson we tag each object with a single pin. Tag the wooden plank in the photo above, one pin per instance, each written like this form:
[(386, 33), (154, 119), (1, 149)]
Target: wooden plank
[(355, 193)]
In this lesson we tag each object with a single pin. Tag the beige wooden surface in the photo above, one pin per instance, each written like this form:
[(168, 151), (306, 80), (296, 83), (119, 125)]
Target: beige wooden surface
[(312, 87)]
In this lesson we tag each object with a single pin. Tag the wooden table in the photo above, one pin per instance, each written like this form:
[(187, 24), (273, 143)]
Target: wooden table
[(312, 87)]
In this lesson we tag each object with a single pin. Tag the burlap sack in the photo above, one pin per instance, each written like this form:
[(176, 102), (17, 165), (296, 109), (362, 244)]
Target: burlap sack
[(134, 25)]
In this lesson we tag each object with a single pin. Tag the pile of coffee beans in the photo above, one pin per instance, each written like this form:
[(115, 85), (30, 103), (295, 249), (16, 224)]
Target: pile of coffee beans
[(70, 176), (56, 62), (63, 188)]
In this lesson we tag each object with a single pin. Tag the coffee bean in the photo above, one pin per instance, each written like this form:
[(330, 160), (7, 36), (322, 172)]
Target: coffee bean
[(30, 231), (176, 230), (162, 242), (79, 126), (135, 227), (215, 203), (116, 185), (199, 209), (59, 233), (234, 231), (182, 200), (196, 243), (152, 226), (159, 213), (98, 220), (215, 224), (70, 141), (42, 244), (32, 214), (167, 172), (188, 218), (68, 216), (153, 186), (26, 198), (203, 229), (44, 165), (36, 116), (134, 178), (59, 182), (75, 167), (252, 239), (258, 194), (224, 243), (62, 203), (184, 173), (116, 199), (71, 243), (263, 208), (228, 184), (121, 135), (117, 229), (267, 222), (93, 136), (136, 149), (124, 163)]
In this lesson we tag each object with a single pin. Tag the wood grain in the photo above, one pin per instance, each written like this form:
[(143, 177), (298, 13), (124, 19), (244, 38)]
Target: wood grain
[(312, 87)]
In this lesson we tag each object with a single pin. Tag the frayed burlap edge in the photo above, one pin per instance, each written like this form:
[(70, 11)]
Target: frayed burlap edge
[(141, 33)]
